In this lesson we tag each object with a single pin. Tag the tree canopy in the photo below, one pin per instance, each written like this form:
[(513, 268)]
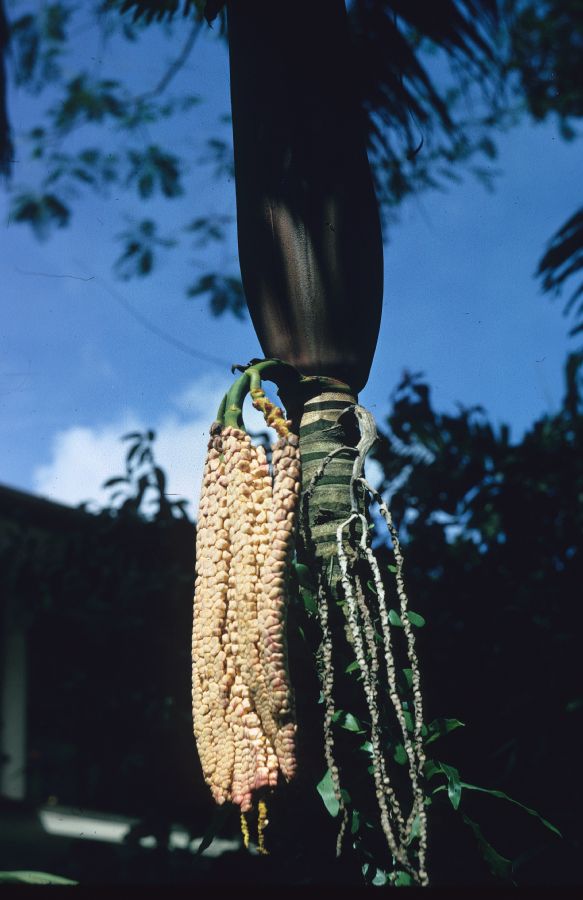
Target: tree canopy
[(437, 83)]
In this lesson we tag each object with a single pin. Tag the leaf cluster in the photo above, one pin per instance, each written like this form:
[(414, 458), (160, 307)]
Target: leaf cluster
[(419, 133), (493, 562), (441, 780), (142, 490), (436, 82), (562, 260), (37, 44)]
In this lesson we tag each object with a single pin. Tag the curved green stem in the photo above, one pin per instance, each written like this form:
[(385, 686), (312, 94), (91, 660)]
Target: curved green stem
[(284, 375), (234, 399), (278, 371), (230, 413), (221, 411)]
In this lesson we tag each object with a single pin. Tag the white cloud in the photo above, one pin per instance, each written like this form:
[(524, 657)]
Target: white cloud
[(82, 457), (81, 460)]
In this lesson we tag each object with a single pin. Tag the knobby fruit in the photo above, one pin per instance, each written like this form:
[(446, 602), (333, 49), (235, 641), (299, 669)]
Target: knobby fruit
[(243, 705)]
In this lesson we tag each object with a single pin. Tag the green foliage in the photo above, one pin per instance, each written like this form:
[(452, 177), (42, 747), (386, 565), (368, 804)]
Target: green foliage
[(37, 43), (219, 155), (159, 10), (142, 489), (86, 103), (503, 59), (151, 170), (42, 212), (91, 167), (499, 866), (415, 619), (441, 777), (325, 788), (451, 783), (454, 785), (496, 61), (140, 251), (490, 530), (207, 229), (503, 796), (561, 262), (440, 727), (545, 39), (346, 720), (420, 135), (88, 100), (225, 292), (545, 55)]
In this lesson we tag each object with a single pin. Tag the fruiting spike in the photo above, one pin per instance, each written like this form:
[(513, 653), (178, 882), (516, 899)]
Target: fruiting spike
[(243, 706)]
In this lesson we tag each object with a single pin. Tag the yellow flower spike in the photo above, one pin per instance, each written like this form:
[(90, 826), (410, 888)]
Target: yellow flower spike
[(262, 823), (245, 830), (273, 414)]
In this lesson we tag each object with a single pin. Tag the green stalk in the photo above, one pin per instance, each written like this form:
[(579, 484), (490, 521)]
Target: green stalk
[(234, 399), (230, 413), (221, 411)]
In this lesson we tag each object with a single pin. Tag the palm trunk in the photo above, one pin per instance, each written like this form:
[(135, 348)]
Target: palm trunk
[(310, 246), (326, 491)]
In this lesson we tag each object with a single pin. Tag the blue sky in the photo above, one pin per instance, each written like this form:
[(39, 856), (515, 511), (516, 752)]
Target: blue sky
[(77, 370)]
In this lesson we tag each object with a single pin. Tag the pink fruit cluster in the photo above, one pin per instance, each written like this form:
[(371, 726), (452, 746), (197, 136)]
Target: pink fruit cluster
[(243, 706)]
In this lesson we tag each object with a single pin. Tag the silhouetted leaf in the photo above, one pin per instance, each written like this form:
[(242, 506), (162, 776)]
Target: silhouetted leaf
[(160, 479), (37, 43), (111, 481), (132, 452), (88, 99), (141, 247), (439, 727), (501, 795), (220, 156), (563, 259), (225, 294), (309, 601), (304, 576), (152, 170), (498, 864), (41, 211), (162, 10), (208, 228), (220, 816)]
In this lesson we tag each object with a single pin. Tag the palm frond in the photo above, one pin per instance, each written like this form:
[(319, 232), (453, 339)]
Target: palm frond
[(562, 260)]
